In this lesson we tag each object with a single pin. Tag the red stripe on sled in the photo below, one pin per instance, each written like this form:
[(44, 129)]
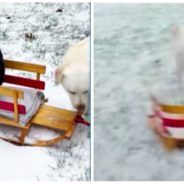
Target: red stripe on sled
[(170, 121), (24, 82), (173, 123), (10, 107)]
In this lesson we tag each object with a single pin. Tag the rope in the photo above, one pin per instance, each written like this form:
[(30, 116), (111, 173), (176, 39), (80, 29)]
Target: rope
[(80, 120)]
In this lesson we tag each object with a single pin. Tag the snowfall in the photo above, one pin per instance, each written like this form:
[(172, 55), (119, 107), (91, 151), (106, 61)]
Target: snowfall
[(133, 49), (54, 28)]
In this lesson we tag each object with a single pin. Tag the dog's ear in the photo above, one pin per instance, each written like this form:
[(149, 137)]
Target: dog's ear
[(175, 30), (59, 75)]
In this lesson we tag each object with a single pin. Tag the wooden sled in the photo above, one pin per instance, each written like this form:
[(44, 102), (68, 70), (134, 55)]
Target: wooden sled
[(164, 120), (47, 116)]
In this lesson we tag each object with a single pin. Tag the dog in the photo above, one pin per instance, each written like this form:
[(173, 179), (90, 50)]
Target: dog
[(2, 68), (73, 74), (177, 33)]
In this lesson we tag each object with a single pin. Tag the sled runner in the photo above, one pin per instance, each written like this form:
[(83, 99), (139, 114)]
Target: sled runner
[(167, 121), (24, 108)]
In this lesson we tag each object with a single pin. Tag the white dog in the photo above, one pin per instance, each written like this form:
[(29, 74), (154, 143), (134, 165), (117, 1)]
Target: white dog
[(177, 32), (73, 73)]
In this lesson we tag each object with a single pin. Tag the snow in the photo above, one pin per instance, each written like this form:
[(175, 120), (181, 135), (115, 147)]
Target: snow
[(23, 162), (53, 32), (132, 48)]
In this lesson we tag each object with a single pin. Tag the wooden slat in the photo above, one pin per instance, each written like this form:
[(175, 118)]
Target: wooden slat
[(23, 134), (52, 117), (67, 114), (178, 109), (6, 121), (24, 82), (16, 112), (10, 107), (38, 76), (17, 65), (8, 91)]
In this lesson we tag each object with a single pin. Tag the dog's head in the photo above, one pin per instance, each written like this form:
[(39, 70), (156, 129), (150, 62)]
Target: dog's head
[(75, 80)]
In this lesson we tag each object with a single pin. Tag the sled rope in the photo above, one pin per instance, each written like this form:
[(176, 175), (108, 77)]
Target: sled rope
[(80, 120)]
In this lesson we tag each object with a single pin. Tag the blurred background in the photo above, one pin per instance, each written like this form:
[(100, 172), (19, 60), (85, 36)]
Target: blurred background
[(133, 49)]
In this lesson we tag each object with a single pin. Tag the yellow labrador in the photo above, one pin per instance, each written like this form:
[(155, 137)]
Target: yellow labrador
[(73, 74)]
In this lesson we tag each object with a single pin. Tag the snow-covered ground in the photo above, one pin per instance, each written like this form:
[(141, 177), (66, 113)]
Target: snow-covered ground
[(132, 48), (54, 26)]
